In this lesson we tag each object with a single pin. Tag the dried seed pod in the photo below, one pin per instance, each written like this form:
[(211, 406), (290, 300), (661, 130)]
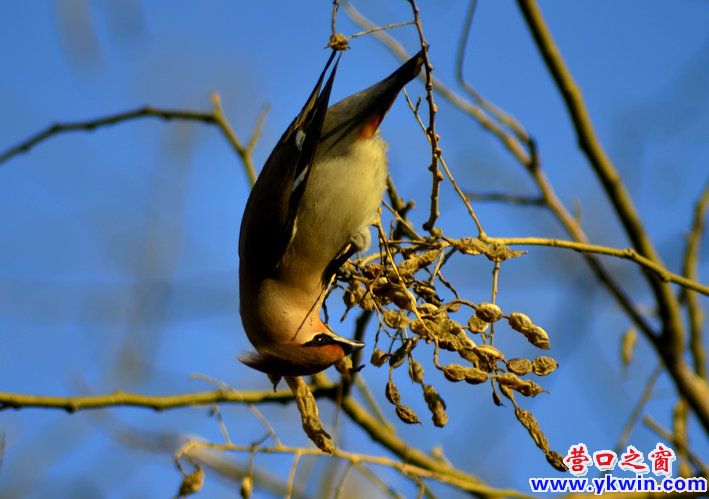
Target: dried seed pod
[(367, 302), (247, 487), (439, 417), (344, 366), (470, 246), (469, 354), (448, 333), (539, 338), (353, 294), (627, 346), (407, 415), (432, 397), (520, 322), (556, 460), (454, 372), (488, 312), (488, 353), (309, 416), (392, 392), (426, 293), (496, 399), (524, 387), (472, 375), (508, 394), (427, 309), (519, 366), (397, 358), (415, 371), (530, 423), (418, 261), (402, 299), (192, 483), (498, 252), (476, 325), (379, 357), (475, 376), (436, 405), (395, 319), (544, 365), (424, 328)]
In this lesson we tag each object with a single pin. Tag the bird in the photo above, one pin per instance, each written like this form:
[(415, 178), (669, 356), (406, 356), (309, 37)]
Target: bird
[(307, 214)]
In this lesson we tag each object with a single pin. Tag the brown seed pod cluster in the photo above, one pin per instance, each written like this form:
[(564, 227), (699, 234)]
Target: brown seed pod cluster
[(405, 287)]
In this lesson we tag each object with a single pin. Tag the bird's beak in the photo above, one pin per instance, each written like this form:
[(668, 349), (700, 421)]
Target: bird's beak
[(347, 344)]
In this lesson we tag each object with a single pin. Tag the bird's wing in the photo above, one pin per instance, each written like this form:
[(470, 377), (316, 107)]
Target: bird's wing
[(269, 221)]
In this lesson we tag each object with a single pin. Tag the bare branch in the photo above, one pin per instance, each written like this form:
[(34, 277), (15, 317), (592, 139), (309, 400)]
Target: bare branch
[(670, 344), (626, 253), (689, 269)]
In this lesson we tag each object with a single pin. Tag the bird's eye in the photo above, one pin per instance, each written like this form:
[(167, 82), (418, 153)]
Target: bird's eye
[(319, 340)]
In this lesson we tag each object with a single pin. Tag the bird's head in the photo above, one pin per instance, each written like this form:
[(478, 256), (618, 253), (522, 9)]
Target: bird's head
[(312, 350)]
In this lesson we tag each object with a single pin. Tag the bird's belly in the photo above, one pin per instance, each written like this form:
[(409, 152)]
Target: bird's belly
[(340, 201)]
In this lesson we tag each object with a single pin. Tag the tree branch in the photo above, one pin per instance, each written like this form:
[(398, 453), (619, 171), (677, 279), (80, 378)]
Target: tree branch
[(155, 402), (216, 117), (670, 344), (625, 253)]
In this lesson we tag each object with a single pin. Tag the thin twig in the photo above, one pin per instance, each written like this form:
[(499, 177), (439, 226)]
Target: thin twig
[(509, 141), (381, 28), (625, 253), (356, 458), (436, 175), (458, 190), (113, 119), (689, 270), (503, 197)]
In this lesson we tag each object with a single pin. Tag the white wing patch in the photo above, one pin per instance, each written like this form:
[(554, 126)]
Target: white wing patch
[(299, 139), (300, 178)]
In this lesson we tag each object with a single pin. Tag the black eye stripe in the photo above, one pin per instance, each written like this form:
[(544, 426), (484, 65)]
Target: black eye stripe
[(321, 339)]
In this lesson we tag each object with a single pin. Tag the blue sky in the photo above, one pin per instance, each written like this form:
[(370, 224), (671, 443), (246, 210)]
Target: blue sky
[(118, 262)]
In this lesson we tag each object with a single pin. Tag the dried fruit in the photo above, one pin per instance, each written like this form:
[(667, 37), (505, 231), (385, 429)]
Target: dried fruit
[(247, 487), (407, 415), (353, 294), (472, 375), (498, 252), (556, 460), (192, 483), (477, 325), (397, 358), (309, 416), (525, 387), (534, 334), (475, 376), (544, 365), (488, 312), (436, 405), (530, 423), (519, 322), (627, 346), (392, 392), (454, 372), (415, 371), (379, 357), (488, 353), (395, 319), (519, 366)]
